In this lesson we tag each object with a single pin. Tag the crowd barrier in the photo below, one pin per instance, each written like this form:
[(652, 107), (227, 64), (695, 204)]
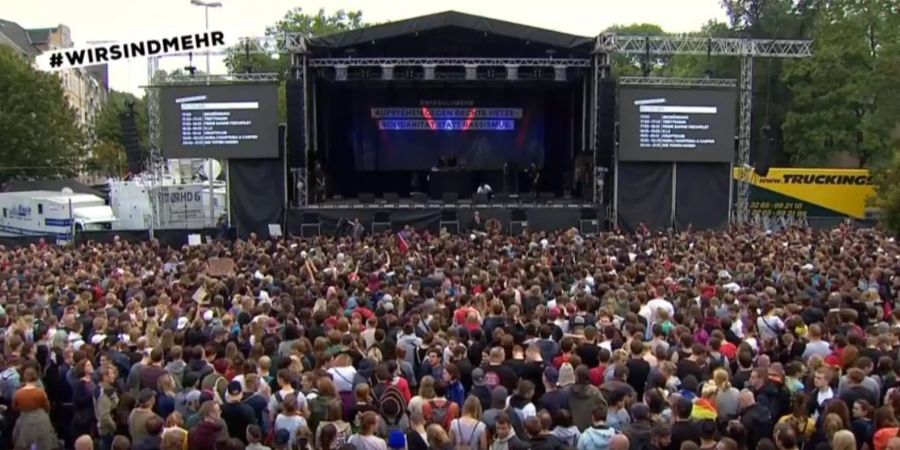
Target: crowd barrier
[(168, 238)]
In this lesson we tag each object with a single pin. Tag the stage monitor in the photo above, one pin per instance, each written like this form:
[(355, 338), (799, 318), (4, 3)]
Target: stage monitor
[(671, 124), (219, 121)]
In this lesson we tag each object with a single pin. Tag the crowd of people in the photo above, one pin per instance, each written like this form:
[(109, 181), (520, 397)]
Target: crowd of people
[(735, 340)]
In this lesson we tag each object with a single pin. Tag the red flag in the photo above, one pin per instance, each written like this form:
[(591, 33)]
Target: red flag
[(402, 244)]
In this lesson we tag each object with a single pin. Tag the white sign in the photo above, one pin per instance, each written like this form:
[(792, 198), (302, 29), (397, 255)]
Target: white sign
[(102, 54)]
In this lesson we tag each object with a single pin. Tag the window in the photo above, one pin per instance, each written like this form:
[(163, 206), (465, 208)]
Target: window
[(4, 213), (40, 208)]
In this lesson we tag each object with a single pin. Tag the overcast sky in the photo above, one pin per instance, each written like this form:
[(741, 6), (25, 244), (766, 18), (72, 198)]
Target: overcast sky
[(124, 20)]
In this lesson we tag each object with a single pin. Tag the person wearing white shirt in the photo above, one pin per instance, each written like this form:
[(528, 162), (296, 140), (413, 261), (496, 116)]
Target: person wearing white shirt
[(823, 393), (769, 324)]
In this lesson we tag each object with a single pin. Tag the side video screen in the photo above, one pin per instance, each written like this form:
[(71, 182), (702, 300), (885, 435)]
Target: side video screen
[(219, 121), (665, 124)]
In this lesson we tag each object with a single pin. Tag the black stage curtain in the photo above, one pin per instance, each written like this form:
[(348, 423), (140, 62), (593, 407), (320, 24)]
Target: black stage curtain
[(645, 195), (701, 195), (256, 195)]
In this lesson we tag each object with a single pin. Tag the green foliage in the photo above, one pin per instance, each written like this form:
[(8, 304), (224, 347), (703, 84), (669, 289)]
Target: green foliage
[(108, 159), (887, 192), (845, 97), (107, 156), (242, 58), (39, 134)]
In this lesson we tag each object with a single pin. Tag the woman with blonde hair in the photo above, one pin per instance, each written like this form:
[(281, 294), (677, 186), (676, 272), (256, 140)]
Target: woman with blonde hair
[(438, 438), (174, 430), (469, 431), (727, 396), (843, 440), (426, 393), (705, 406)]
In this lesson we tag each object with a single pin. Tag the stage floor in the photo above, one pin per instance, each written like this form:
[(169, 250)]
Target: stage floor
[(379, 217), (438, 204)]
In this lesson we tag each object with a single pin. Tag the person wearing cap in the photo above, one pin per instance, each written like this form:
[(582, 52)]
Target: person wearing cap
[(479, 389), (237, 414), (554, 398), (137, 420), (640, 430), (107, 401)]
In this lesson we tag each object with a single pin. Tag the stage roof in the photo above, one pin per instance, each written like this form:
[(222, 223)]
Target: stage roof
[(449, 34)]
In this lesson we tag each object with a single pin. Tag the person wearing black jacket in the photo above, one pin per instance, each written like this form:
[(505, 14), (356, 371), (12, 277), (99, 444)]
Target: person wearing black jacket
[(640, 430), (684, 429), (756, 418), (540, 438), (237, 414)]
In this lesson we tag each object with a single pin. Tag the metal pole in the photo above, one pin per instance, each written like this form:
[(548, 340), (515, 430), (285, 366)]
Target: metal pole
[(212, 209), (674, 189), (206, 13)]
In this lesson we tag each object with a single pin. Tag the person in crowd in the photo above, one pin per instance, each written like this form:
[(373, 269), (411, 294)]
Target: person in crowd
[(742, 322)]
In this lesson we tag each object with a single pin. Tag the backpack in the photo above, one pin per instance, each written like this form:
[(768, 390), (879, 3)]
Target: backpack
[(467, 444), (10, 380), (318, 411), (440, 414), (491, 379), (395, 437)]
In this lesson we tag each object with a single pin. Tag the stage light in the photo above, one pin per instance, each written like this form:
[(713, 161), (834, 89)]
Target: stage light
[(512, 72), (559, 73), (471, 72)]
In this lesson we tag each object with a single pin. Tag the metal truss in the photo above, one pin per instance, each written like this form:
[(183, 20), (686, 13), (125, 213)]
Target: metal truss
[(694, 45), (206, 78), (280, 43), (521, 62), (155, 163), (745, 49), (686, 82)]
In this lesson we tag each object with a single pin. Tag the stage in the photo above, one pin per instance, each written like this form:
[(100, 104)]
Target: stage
[(381, 216)]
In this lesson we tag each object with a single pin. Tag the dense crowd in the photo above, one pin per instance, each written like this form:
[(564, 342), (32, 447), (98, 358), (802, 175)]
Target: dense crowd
[(730, 340)]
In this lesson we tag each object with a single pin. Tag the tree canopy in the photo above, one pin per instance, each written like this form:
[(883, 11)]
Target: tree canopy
[(39, 134)]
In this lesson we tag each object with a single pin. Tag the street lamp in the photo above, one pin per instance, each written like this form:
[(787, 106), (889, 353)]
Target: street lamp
[(206, 6)]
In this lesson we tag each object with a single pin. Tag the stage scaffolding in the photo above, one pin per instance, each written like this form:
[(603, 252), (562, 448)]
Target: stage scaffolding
[(296, 45)]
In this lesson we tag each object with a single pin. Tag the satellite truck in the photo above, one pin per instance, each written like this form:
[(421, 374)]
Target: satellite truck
[(53, 214)]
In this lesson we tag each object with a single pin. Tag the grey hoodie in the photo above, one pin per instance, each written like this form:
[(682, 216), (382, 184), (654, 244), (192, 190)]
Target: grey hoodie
[(596, 437), (511, 442), (176, 369)]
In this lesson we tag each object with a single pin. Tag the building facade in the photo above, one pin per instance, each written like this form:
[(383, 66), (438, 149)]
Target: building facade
[(86, 88)]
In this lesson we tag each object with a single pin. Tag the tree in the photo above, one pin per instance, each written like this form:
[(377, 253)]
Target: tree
[(245, 58), (844, 98), (107, 158), (887, 192), (635, 65), (107, 153), (39, 134)]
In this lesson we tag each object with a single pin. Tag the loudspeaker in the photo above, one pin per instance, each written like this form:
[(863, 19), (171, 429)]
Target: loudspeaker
[(130, 141), (606, 123), (296, 130), (766, 151)]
